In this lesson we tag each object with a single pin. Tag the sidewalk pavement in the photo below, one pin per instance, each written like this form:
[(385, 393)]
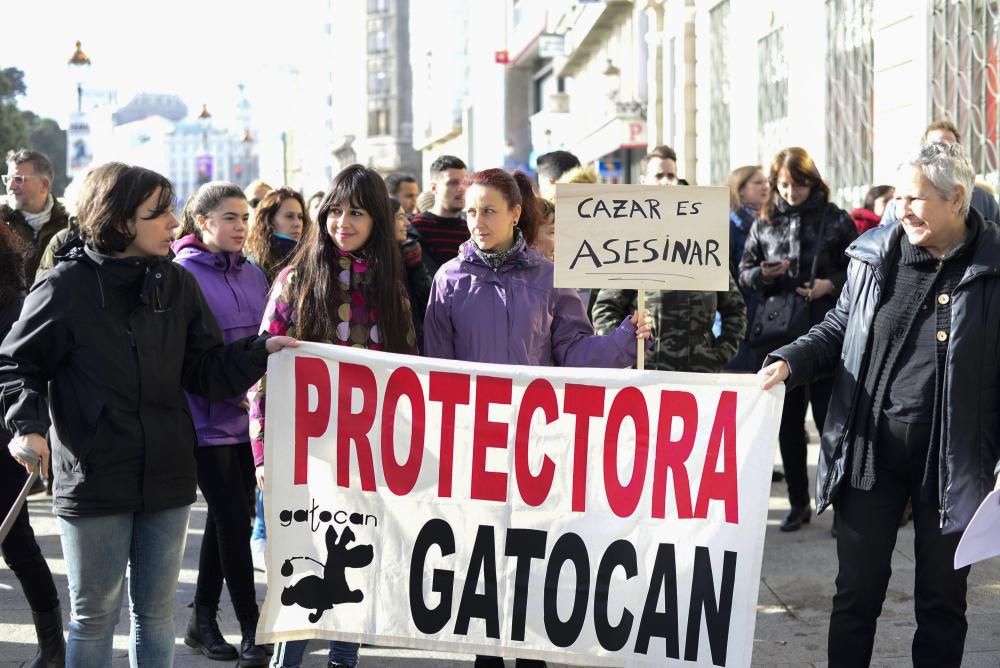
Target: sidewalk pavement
[(796, 588)]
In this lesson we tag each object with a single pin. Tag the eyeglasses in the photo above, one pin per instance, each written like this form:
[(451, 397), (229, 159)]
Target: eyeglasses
[(19, 179)]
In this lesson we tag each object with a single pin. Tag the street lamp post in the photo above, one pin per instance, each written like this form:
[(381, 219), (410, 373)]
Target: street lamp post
[(78, 153), (203, 162)]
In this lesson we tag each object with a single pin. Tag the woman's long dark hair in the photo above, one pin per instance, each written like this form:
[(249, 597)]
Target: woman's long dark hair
[(314, 293), (12, 254), (261, 245)]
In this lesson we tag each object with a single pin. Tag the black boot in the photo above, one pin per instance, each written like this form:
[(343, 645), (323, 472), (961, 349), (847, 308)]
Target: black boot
[(795, 518), (51, 645), (252, 655), (203, 634)]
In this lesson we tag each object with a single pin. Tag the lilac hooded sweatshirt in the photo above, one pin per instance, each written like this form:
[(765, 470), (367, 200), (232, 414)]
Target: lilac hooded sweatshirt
[(236, 291), (515, 316)]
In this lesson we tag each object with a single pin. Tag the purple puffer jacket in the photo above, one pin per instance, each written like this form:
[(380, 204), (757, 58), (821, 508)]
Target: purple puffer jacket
[(515, 316), (236, 291)]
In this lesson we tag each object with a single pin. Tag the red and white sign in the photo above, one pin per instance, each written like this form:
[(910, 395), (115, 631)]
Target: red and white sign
[(586, 516)]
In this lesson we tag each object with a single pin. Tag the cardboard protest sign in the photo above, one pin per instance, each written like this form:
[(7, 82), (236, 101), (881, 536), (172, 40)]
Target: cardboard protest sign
[(583, 516), (642, 237)]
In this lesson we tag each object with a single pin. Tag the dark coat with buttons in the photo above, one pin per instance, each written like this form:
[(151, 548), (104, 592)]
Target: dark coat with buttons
[(969, 446), (107, 347)]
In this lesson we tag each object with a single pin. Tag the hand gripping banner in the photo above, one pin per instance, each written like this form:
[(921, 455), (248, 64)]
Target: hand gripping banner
[(585, 516)]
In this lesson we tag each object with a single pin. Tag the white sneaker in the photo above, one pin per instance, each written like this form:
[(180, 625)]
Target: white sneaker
[(257, 554)]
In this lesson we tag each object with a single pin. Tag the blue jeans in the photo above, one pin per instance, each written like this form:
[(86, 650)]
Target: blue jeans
[(259, 528), (98, 551), (289, 654)]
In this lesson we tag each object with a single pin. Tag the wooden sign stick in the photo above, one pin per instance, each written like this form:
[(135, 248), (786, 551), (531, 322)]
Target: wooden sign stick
[(640, 355)]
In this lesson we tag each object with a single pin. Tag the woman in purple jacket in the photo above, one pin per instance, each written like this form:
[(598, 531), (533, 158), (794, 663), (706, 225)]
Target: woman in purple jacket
[(236, 290), (495, 302)]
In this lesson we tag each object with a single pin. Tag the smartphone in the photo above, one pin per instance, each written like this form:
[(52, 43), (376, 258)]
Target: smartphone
[(771, 264)]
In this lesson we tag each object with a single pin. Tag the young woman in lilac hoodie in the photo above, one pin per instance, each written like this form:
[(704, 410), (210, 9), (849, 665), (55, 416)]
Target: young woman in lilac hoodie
[(495, 302), (236, 291)]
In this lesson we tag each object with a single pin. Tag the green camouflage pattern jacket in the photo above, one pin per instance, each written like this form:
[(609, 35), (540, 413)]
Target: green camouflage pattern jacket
[(682, 325)]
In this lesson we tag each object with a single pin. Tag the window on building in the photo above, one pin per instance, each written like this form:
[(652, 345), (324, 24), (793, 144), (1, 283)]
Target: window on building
[(378, 35), (965, 77), (671, 92), (378, 83), (850, 88), (378, 6), (546, 84), (719, 95), (378, 117), (772, 95), (378, 123)]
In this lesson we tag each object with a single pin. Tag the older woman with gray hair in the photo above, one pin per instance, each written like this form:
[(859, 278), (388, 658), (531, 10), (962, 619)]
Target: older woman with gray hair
[(914, 349)]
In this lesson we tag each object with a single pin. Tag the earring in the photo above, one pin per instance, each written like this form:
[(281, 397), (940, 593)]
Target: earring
[(515, 223)]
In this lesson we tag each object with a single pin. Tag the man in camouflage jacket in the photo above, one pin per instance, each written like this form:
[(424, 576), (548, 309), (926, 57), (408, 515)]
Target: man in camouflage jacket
[(682, 325)]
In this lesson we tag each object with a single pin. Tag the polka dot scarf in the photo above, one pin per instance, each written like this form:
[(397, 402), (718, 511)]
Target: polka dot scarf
[(356, 320)]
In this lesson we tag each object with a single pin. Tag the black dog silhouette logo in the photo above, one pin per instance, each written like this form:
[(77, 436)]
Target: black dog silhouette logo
[(320, 594)]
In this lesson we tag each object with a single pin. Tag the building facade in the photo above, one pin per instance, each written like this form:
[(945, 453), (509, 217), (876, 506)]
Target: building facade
[(855, 82)]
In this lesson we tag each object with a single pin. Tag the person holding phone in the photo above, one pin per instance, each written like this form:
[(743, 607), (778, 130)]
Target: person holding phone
[(779, 257)]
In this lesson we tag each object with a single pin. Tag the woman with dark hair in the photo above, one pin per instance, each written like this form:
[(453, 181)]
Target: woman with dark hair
[(236, 291), (20, 549), (280, 221), (108, 342), (418, 279), (465, 322), (869, 215), (345, 287), (470, 318), (799, 230)]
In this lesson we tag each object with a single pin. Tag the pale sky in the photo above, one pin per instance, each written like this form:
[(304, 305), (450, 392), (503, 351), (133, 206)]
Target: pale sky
[(198, 49)]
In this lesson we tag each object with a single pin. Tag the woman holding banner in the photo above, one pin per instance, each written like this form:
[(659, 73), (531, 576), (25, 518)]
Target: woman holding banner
[(345, 285), (912, 346), (103, 351), (794, 260), (236, 290), (495, 302)]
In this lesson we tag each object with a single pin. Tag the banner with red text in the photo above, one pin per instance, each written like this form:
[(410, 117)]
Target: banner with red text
[(597, 517)]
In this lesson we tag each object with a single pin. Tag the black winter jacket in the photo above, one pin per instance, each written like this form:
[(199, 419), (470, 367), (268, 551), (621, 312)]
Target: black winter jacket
[(773, 241), (108, 346), (969, 448)]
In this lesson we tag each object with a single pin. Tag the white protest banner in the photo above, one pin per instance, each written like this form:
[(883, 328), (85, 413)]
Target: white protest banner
[(585, 516), (642, 237)]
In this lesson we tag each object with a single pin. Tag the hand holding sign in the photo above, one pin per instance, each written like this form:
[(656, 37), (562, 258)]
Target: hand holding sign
[(641, 237), (643, 325)]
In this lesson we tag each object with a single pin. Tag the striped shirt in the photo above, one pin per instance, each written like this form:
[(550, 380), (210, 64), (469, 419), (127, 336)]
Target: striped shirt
[(440, 237)]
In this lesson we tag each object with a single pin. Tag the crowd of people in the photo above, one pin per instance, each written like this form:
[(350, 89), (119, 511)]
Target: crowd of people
[(138, 358)]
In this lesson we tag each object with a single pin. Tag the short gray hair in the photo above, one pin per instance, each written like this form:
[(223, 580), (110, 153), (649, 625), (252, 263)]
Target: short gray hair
[(39, 162), (946, 165)]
